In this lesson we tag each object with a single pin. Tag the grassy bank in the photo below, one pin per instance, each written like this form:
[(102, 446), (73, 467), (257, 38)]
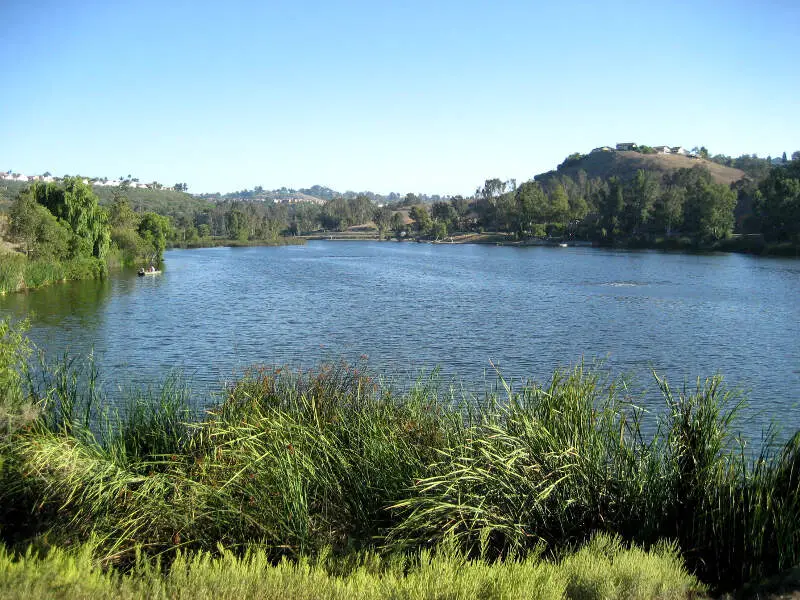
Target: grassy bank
[(18, 273), (335, 461), (212, 242)]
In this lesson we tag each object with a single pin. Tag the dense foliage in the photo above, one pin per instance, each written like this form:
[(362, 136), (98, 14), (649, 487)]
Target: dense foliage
[(303, 462), (64, 233), (683, 207)]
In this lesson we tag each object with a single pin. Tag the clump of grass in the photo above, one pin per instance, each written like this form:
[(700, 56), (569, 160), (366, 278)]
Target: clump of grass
[(604, 569), (42, 272), (12, 272), (18, 272), (333, 458)]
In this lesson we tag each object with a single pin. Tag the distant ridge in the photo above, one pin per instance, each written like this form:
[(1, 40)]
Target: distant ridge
[(624, 164)]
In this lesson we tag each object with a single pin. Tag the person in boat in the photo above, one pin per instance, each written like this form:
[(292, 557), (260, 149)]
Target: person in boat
[(141, 270)]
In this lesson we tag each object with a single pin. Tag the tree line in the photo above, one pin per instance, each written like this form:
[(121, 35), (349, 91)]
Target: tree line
[(64, 221), (684, 203)]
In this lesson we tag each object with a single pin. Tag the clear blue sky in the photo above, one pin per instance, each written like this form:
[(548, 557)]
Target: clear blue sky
[(420, 96)]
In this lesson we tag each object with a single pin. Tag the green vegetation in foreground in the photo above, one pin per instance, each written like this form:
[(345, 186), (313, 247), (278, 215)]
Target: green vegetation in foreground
[(603, 569), (334, 461)]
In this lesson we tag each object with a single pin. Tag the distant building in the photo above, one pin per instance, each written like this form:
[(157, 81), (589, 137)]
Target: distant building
[(627, 146), (680, 150), (603, 149), (662, 149)]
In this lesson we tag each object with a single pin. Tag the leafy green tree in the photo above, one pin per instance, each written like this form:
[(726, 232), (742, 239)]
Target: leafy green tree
[(611, 205), (422, 219), (237, 224), (397, 223), (154, 230), (461, 210), (559, 205), (445, 213), (532, 206), (778, 204), (643, 192), (382, 217), (708, 212), (38, 230), (668, 210), (76, 205), (438, 230), (121, 215)]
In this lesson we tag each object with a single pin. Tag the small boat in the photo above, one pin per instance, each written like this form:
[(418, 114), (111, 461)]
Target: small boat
[(562, 245), (143, 272)]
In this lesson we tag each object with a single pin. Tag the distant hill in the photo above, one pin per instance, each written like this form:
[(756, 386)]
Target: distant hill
[(624, 165)]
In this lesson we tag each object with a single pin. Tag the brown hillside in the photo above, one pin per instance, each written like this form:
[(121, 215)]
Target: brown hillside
[(625, 164)]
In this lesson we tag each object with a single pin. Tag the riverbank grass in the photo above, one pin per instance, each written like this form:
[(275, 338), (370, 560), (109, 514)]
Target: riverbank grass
[(17, 272), (603, 569), (336, 461)]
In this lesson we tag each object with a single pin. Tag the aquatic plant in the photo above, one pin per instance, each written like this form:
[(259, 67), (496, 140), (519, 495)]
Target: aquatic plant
[(334, 458)]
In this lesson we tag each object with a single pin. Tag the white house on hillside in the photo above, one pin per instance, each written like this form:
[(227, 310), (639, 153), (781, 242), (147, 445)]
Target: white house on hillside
[(680, 150), (662, 149), (627, 146)]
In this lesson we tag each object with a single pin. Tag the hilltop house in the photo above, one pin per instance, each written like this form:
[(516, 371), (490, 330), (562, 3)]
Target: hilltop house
[(627, 146), (603, 149), (680, 150), (662, 149)]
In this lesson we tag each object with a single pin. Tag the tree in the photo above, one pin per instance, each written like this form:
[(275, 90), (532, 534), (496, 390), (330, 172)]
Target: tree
[(398, 226), (668, 210), (121, 215), (443, 212), (708, 211), (559, 205), (77, 206), (461, 209), (38, 230), (778, 204), (532, 206), (237, 223), (642, 195), (382, 217), (439, 230), (422, 220), (154, 230), (611, 204)]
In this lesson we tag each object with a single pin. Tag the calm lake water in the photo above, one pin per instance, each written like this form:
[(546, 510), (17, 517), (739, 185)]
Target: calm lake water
[(410, 307)]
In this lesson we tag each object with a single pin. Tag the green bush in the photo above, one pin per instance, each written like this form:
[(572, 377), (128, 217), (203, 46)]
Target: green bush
[(335, 459)]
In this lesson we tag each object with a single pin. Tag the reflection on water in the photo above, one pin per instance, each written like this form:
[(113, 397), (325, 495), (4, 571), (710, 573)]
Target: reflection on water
[(415, 306)]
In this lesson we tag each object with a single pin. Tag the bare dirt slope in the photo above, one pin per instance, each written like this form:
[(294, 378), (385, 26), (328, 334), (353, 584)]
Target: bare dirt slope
[(625, 164)]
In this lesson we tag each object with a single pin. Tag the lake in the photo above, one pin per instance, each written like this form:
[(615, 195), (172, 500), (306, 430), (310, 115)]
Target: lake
[(410, 307)]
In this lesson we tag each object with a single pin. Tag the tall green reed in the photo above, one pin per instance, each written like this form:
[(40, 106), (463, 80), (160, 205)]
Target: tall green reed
[(333, 458)]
